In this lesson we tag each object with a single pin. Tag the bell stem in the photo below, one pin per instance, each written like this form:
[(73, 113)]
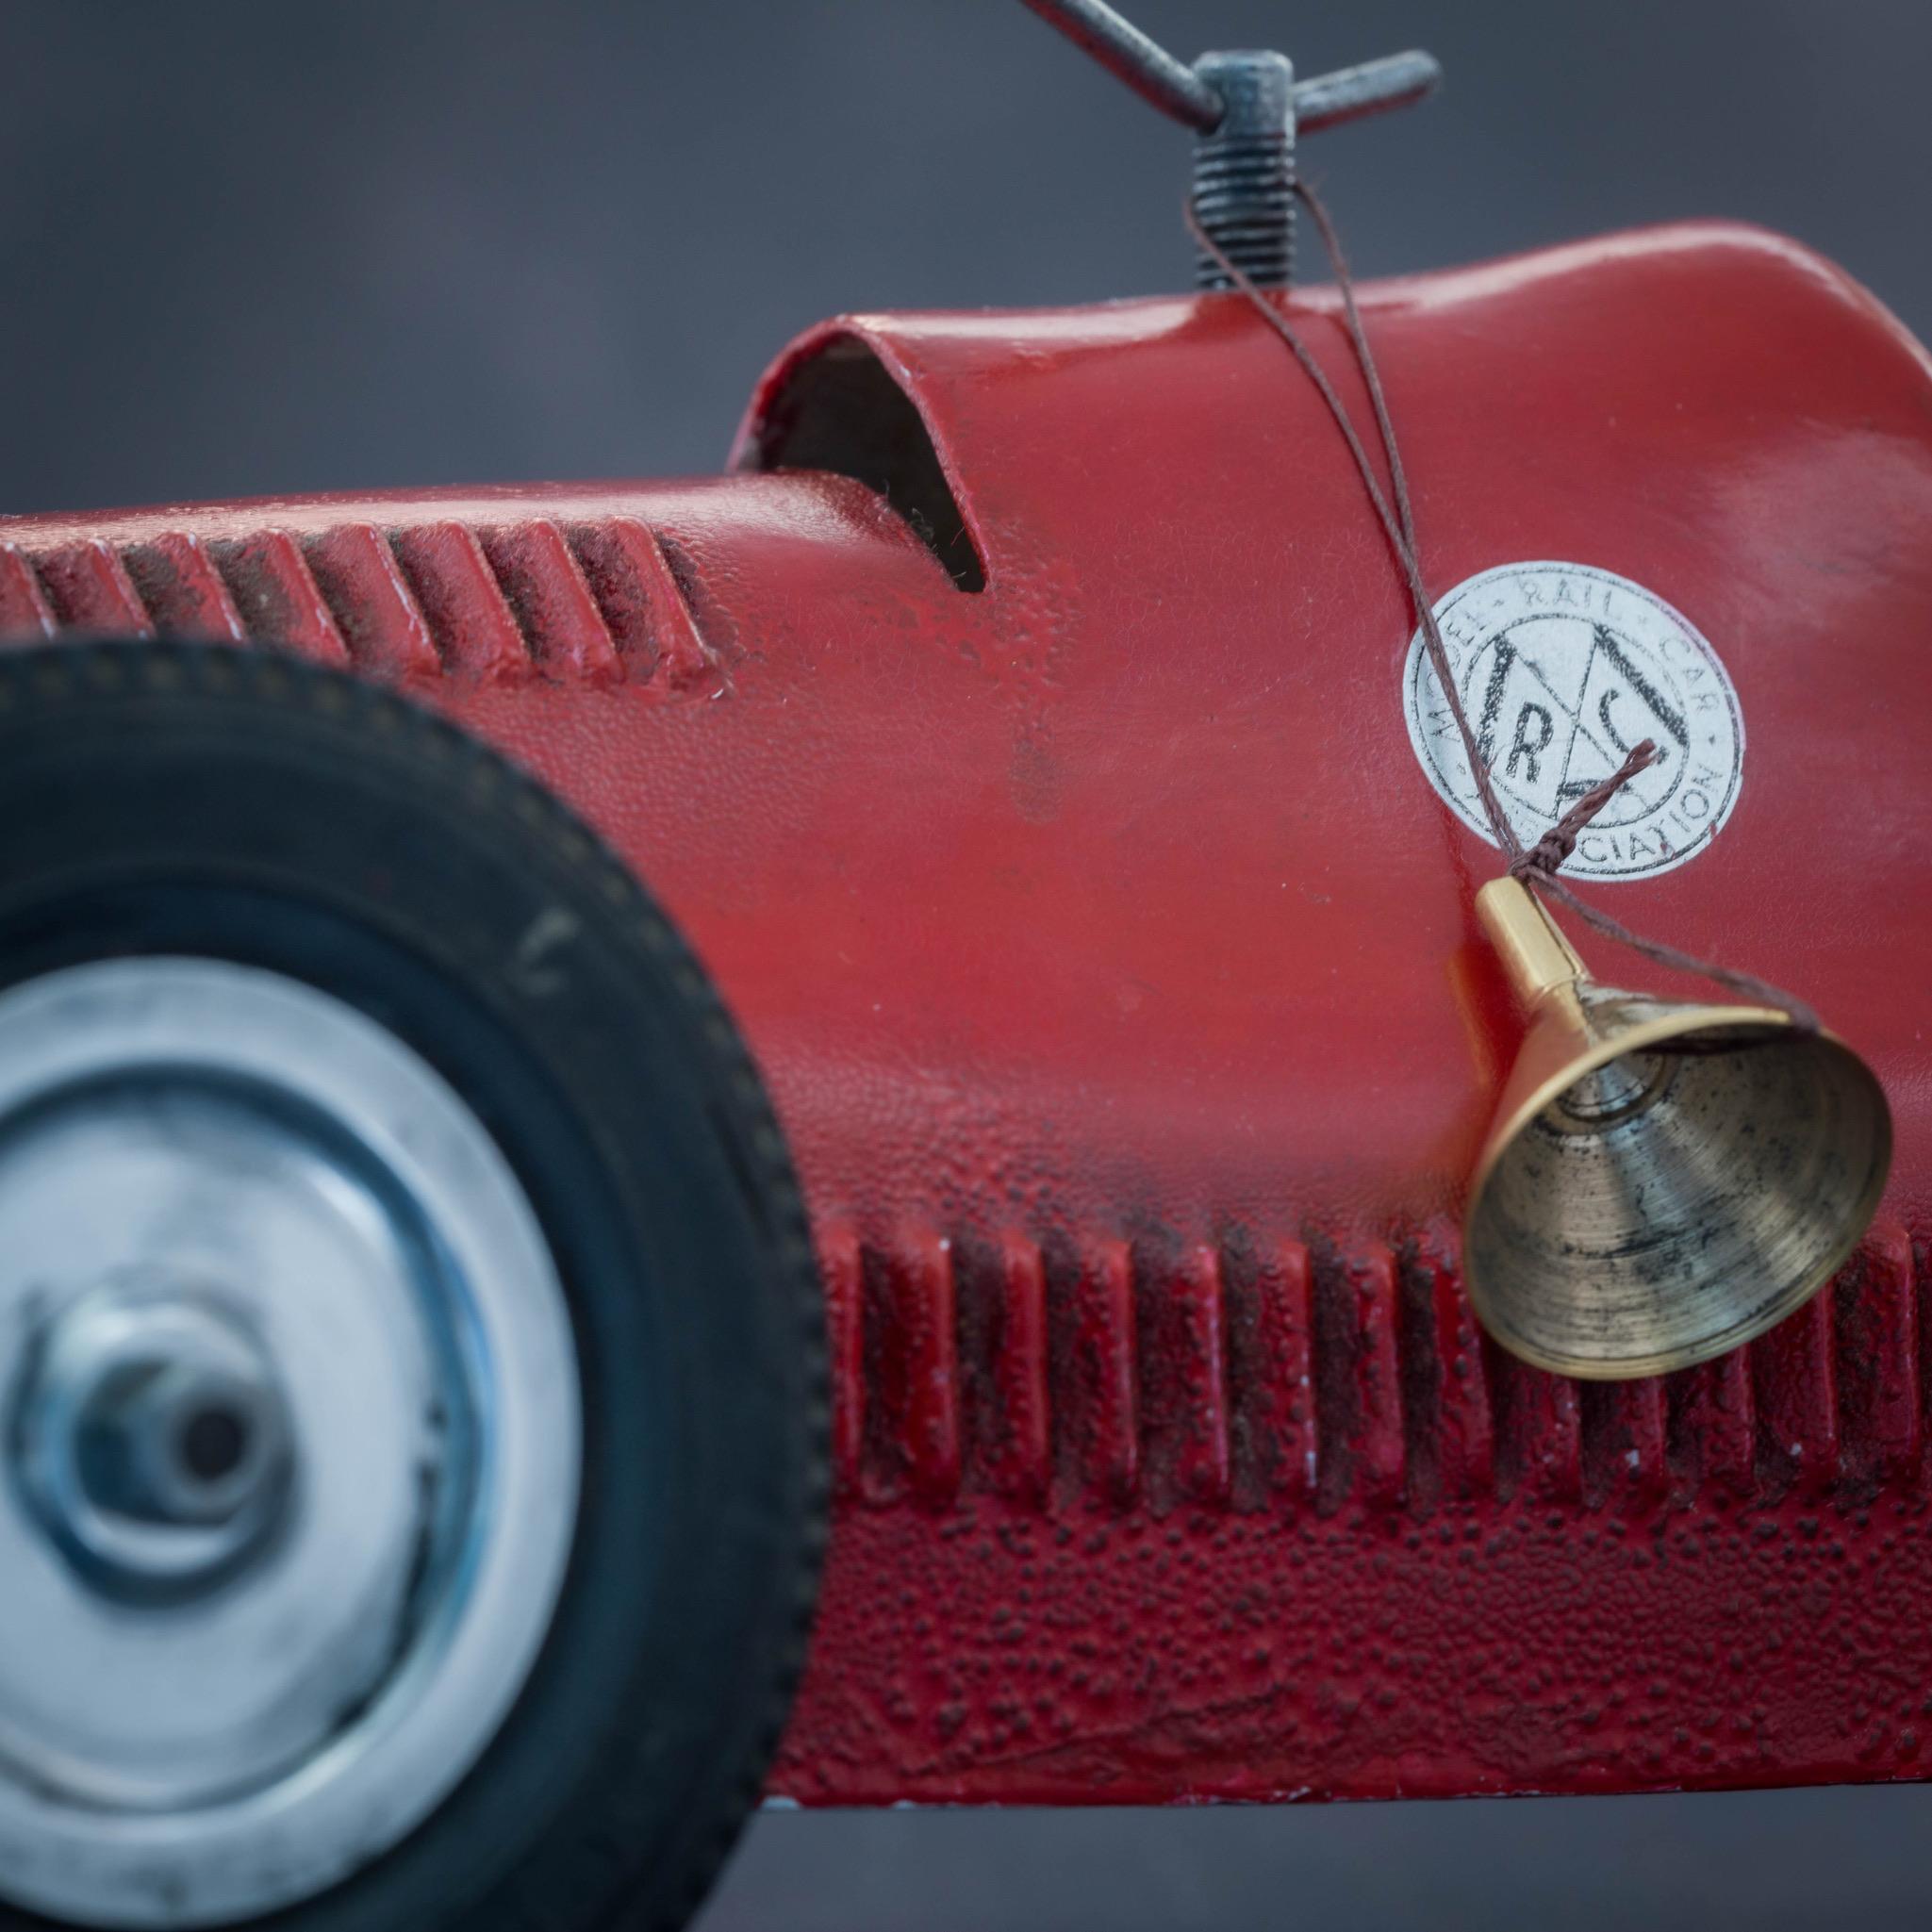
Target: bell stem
[(1535, 955)]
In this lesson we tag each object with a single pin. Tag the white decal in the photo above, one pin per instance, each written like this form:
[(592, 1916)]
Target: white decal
[(1561, 670)]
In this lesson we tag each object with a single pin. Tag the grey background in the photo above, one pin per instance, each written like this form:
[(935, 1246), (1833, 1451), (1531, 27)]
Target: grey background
[(255, 247)]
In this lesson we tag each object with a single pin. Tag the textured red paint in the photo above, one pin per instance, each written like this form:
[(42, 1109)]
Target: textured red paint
[(1100, 1354), (1714, 1425), (1797, 1396), (911, 1358), (1019, 1413), (182, 589), (1183, 1323), (1365, 1337), (464, 610), (276, 595), (1447, 1388), (1632, 1589), (373, 604), (25, 611), (841, 1268), (1877, 1318), (648, 621), (1271, 1369), (1113, 965), (87, 585), (553, 606)]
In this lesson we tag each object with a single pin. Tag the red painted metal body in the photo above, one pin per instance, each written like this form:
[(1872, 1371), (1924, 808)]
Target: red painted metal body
[(1113, 967)]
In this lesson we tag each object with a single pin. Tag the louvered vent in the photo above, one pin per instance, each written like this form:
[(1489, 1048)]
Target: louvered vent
[(595, 602), (1289, 1375)]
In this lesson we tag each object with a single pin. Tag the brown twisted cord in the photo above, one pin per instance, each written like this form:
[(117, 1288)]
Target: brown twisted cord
[(1556, 844), (1535, 866)]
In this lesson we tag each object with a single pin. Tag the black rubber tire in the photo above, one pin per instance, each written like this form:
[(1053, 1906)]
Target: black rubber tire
[(232, 803)]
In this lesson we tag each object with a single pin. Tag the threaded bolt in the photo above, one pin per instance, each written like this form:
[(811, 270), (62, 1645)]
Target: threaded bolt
[(1243, 170)]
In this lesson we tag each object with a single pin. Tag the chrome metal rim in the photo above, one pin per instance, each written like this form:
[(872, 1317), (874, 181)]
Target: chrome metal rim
[(291, 1434)]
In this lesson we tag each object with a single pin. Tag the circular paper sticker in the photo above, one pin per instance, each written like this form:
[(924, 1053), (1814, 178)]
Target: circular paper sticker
[(1563, 668)]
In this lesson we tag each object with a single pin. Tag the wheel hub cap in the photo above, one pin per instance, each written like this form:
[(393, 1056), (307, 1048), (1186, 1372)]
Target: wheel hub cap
[(153, 1439), (291, 1428)]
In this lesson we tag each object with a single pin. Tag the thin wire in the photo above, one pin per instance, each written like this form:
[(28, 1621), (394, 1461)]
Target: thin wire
[(1536, 866)]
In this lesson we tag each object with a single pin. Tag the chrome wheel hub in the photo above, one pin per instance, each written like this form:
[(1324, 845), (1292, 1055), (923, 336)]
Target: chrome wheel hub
[(153, 1439), (292, 1425)]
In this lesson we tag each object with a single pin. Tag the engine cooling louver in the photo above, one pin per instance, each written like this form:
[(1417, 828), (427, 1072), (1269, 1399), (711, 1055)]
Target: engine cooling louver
[(598, 601), (1295, 1374)]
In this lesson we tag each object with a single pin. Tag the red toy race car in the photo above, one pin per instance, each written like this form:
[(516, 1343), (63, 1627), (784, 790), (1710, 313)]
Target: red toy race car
[(430, 1364)]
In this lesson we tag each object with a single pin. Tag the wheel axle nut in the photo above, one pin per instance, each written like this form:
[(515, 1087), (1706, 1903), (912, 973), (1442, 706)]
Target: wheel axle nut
[(155, 1447), (172, 1441)]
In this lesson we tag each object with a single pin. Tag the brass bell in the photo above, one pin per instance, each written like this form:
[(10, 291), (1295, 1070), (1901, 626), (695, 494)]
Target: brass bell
[(1662, 1181)]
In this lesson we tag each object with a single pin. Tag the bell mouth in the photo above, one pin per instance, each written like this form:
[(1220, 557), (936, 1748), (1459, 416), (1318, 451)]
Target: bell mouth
[(1679, 1187)]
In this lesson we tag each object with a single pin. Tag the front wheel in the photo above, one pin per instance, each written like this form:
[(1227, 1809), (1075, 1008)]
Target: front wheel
[(411, 1382)]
